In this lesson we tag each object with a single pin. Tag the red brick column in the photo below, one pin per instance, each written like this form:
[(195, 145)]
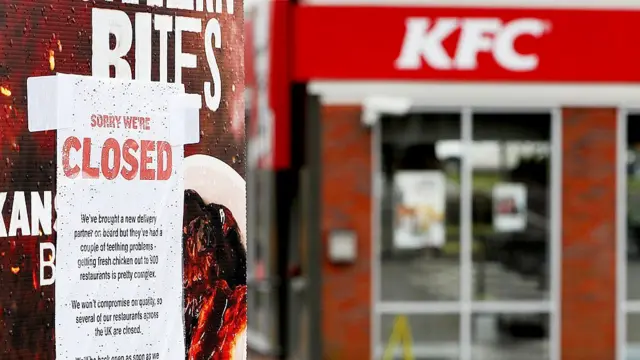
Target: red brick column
[(588, 234), (346, 204)]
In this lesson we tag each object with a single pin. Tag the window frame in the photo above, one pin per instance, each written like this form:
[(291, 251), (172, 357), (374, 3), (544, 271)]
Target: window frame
[(467, 306)]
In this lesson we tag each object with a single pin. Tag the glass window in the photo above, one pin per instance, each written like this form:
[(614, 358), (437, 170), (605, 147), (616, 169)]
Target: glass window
[(505, 336), (261, 294), (632, 242), (633, 207), (299, 310), (432, 336), (633, 336), (464, 236), (510, 159), (420, 209)]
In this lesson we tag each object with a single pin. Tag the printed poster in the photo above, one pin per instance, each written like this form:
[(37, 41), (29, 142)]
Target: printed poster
[(197, 44), (419, 204), (119, 255), (509, 207)]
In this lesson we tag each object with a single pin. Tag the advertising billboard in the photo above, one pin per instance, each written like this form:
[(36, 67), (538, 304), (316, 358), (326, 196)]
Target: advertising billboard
[(119, 239)]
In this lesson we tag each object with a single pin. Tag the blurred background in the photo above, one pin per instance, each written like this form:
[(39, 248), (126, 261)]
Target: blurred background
[(392, 216)]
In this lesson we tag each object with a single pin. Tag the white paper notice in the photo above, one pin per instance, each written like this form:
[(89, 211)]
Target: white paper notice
[(419, 201), (509, 207), (119, 220)]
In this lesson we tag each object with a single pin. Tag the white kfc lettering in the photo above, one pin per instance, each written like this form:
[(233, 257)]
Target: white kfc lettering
[(424, 41)]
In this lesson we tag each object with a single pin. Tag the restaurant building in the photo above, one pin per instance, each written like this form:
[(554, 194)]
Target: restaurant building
[(451, 179)]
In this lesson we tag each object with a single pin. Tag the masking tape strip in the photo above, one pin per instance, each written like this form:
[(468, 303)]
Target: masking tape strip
[(48, 107), (45, 108), (184, 113)]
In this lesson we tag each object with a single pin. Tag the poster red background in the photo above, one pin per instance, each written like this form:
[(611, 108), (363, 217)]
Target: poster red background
[(42, 38)]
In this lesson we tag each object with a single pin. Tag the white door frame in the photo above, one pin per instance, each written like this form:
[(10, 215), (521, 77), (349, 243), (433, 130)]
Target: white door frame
[(621, 235)]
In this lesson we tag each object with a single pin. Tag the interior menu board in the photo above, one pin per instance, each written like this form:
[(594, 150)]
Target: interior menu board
[(119, 240)]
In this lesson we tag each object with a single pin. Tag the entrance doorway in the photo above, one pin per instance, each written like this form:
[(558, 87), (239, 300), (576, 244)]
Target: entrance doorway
[(629, 234), (467, 222)]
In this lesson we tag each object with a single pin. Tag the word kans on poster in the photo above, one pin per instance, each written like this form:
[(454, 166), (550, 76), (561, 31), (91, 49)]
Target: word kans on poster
[(108, 23), (131, 159), (38, 204)]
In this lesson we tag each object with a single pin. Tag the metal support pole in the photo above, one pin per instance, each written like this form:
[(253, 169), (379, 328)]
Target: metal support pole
[(314, 238)]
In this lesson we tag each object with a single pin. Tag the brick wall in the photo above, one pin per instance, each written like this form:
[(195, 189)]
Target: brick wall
[(588, 234), (346, 204)]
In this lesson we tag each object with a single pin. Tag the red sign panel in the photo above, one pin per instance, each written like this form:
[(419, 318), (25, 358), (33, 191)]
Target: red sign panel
[(267, 39), (464, 44), (280, 81)]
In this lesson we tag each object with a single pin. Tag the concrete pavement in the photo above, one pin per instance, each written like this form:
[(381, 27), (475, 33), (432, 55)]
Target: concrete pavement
[(427, 278), (436, 336)]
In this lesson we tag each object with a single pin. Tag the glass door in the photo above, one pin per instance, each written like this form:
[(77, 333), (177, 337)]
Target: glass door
[(468, 229), (628, 259)]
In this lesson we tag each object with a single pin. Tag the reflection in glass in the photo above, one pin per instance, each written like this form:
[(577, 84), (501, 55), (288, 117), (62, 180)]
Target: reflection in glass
[(299, 344), (299, 309), (261, 295), (633, 336), (420, 231), (432, 336), (420, 209), (633, 208), (262, 322), (633, 233), (510, 159), (509, 337)]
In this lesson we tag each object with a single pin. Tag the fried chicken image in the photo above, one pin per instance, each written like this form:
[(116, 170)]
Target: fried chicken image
[(214, 280)]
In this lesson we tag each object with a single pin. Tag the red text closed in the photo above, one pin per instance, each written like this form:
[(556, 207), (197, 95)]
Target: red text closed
[(130, 159)]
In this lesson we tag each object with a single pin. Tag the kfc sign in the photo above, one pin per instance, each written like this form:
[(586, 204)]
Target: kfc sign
[(465, 44), (424, 37)]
